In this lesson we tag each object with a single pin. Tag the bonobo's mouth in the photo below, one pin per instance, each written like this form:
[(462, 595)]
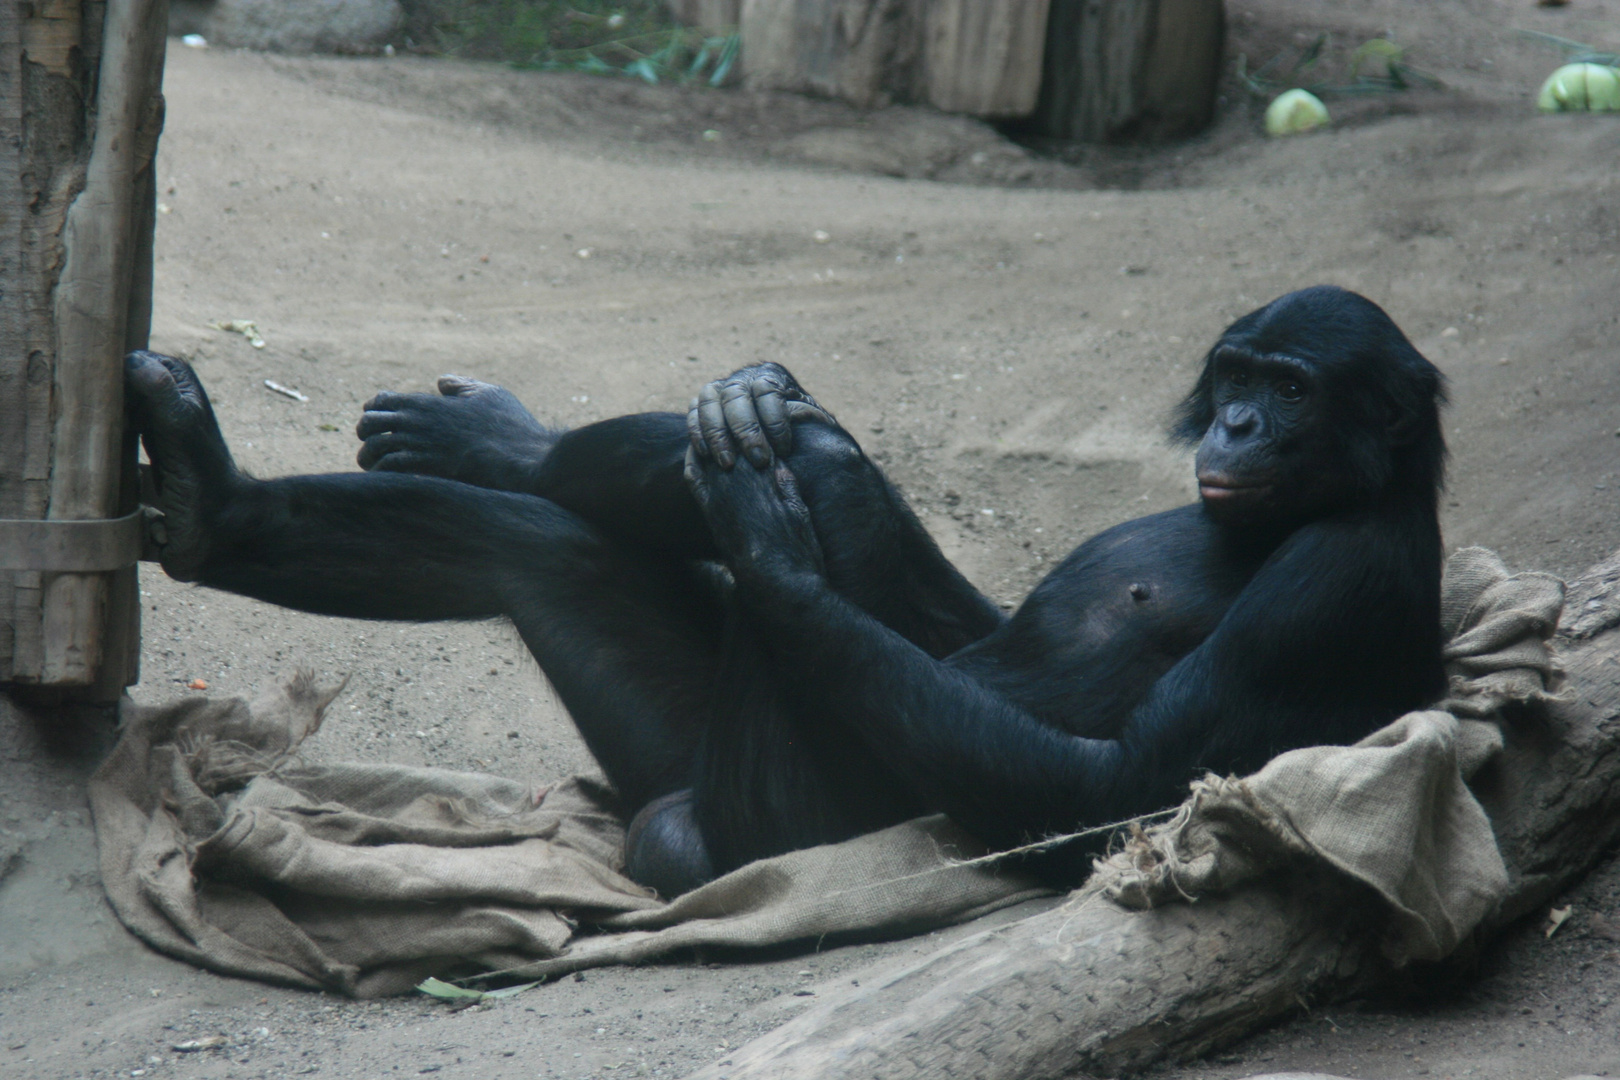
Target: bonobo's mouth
[(1221, 489)]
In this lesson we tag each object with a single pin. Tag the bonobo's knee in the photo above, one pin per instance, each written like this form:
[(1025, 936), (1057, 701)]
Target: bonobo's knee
[(663, 848), (828, 464)]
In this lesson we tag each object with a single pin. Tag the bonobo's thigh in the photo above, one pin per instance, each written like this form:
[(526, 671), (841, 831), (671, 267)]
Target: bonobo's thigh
[(878, 555), (629, 638)]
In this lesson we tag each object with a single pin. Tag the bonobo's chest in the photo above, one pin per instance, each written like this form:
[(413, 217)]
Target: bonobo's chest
[(1113, 617)]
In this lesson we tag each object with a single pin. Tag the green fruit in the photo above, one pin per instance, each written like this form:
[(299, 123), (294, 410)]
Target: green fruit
[(1581, 88), (1295, 111)]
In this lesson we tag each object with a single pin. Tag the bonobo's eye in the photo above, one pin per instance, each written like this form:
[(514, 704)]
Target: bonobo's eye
[(1290, 390), (1239, 379)]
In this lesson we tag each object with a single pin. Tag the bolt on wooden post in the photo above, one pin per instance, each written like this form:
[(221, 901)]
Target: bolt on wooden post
[(80, 112)]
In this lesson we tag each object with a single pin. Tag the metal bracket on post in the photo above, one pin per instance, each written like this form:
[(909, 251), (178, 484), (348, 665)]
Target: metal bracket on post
[(75, 547)]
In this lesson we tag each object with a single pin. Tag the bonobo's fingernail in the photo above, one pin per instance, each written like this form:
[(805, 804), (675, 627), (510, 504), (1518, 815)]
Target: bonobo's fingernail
[(760, 456), (724, 458)]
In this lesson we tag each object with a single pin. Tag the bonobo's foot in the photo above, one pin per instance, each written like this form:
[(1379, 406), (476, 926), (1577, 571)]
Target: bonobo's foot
[(474, 432), (663, 848), (192, 470)]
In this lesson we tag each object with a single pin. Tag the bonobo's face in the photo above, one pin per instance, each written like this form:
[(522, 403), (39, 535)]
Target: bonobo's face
[(1310, 405), (1256, 458)]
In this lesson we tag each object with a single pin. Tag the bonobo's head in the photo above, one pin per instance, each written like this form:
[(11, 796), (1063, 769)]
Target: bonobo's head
[(1314, 403)]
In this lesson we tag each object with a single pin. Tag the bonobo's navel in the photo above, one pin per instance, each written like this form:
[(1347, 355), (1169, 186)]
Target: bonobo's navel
[(1140, 592)]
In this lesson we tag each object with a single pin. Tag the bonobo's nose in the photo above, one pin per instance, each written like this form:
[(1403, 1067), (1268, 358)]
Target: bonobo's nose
[(1238, 421)]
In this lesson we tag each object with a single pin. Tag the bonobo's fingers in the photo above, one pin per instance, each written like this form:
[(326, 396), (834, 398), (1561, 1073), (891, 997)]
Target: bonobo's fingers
[(712, 431), (693, 471), (742, 420), (752, 411), (191, 468), (694, 431), (774, 420)]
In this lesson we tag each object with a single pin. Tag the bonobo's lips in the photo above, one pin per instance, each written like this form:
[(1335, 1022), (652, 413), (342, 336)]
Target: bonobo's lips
[(1213, 488)]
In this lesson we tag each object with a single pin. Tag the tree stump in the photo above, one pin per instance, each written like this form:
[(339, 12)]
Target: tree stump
[(983, 57), (1129, 69), (80, 112), (977, 57), (1092, 988)]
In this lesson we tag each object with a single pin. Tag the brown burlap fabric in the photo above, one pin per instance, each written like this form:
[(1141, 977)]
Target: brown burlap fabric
[(220, 846)]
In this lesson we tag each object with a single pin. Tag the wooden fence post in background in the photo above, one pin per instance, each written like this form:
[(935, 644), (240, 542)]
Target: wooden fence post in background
[(1142, 70), (976, 57), (80, 112)]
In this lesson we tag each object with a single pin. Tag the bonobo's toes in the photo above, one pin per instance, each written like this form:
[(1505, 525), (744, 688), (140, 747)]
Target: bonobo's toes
[(191, 466), (461, 385)]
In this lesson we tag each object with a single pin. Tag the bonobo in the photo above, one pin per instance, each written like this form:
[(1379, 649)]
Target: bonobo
[(763, 648)]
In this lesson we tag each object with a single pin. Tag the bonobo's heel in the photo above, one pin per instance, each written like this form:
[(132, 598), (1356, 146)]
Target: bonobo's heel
[(663, 848), (192, 472)]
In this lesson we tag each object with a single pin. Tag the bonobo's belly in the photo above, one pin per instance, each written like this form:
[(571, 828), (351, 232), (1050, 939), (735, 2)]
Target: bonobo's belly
[(1112, 619)]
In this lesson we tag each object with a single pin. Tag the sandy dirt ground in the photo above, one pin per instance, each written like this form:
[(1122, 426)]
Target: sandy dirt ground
[(1005, 332)]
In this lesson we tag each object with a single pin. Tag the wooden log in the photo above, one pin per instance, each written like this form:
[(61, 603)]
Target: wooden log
[(976, 57), (75, 249), (1129, 69), (865, 52), (1089, 987), (709, 16), (983, 57)]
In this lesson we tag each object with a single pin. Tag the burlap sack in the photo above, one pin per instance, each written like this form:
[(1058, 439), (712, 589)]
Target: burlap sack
[(218, 846)]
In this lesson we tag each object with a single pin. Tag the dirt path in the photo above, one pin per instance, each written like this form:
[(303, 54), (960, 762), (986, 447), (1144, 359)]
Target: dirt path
[(1008, 344)]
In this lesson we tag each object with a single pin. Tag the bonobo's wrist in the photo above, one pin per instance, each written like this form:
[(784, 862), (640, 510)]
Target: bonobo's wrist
[(778, 588)]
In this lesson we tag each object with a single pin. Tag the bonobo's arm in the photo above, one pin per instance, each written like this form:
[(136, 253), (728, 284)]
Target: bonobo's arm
[(623, 474), (1272, 676)]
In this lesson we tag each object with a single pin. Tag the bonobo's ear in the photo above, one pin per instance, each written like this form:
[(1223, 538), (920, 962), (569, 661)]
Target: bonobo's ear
[(1414, 390), (1401, 425), (1197, 410)]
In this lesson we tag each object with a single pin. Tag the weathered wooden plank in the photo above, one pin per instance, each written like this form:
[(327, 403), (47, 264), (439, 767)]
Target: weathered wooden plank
[(13, 335), (978, 57), (1089, 987), (983, 57), (1129, 69), (92, 308), (865, 52), (45, 67)]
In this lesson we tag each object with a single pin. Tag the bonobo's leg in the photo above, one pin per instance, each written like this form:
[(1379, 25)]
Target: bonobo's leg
[(624, 476), (631, 636), (774, 776), (629, 640), (878, 555)]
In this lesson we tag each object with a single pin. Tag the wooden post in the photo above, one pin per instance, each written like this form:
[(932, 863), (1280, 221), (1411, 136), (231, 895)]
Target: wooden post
[(1129, 69), (978, 57), (1090, 988), (865, 52), (80, 112)]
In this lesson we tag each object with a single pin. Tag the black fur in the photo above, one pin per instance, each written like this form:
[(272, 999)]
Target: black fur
[(775, 654)]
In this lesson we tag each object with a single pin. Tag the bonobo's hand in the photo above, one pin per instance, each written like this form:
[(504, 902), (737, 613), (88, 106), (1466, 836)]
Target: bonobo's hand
[(753, 409), (475, 432), (759, 521)]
